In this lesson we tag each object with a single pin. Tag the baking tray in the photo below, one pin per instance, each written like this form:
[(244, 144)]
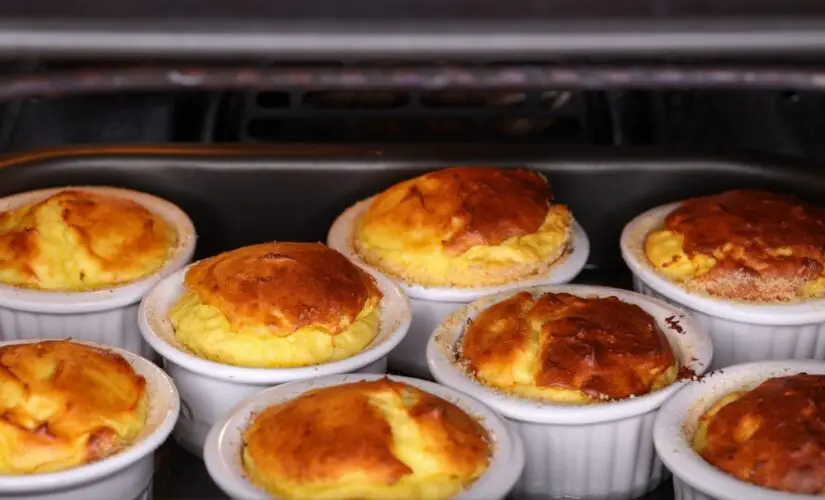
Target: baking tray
[(242, 195), (409, 29)]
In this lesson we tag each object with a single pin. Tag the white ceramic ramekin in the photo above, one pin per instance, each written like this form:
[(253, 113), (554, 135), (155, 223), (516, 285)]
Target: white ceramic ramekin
[(106, 316), (126, 475), (222, 452), (209, 389), (676, 424), (599, 451), (430, 305), (740, 331)]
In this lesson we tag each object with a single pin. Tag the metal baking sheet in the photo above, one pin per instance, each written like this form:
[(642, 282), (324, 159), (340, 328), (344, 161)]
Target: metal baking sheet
[(420, 29), (238, 196)]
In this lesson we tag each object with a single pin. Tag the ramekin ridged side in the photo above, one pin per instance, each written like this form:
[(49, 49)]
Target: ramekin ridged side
[(107, 316), (609, 460), (693, 477), (741, 332), (431, 305), (209, 389), (222, 452), (683, 491), (600, 451), (126, 475), (115, 327)]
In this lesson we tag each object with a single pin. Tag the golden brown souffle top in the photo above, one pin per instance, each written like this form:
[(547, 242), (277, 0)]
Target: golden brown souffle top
[(64, 404), (77, 240), (556, 346), (380, 433), (756, 224), (284, 286), (472, 206), (774, 435)]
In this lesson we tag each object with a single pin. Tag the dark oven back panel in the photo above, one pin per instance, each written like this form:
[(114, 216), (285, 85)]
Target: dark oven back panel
[(783, 122), (539, 117)]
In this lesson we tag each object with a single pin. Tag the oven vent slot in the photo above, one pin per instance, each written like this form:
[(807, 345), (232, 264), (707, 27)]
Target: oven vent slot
[(554, 117)]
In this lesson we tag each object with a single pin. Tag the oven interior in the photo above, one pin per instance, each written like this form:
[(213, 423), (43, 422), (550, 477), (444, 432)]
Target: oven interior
[(252, 161)]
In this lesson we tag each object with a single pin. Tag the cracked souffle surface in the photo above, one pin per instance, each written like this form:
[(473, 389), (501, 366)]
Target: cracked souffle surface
[(80, 240), (65, 404), (369, 440), (772, 436), (465, 227), (561, 348), (277, 305), (745, 244)]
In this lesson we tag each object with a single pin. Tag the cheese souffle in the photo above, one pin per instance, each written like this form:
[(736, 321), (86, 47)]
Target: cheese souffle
[(747, 245), (465, 227), (562, 348), (277, 305), (78, 240), (65, 404), (772, 436), (365, 440)]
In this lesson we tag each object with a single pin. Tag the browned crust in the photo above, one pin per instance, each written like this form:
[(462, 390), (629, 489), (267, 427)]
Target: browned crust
[(284, 286), (86, 388), (462, 207), (327, 434), (773, 435), (755, 223), (93, 217), (606, 348)]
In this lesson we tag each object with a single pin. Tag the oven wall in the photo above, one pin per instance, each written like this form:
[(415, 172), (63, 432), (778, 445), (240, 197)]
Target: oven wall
[(788, 123)]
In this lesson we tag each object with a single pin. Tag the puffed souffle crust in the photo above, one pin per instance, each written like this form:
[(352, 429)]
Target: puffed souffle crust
[(64, 405), (562, 348), (369, 439), (77, 240), (465, 227), (748, 245), (277, 305), (771, 436)]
